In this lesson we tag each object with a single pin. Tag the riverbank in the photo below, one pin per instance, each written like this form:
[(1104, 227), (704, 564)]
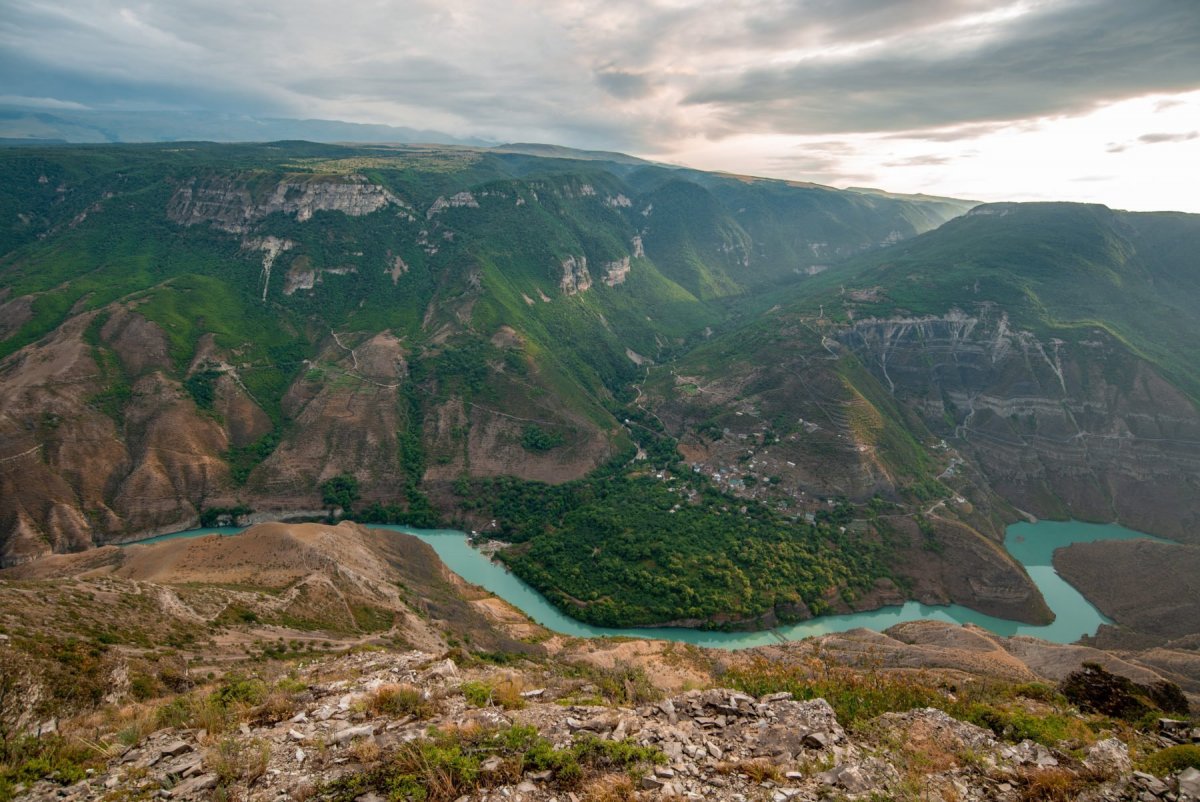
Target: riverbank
[(1032, 544)]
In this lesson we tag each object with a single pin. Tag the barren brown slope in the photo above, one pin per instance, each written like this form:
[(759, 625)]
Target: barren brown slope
[(1152, 588), (344, 581)]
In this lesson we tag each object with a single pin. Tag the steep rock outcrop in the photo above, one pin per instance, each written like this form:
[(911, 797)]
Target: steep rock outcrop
[(235, 204), (575, 276), (1081, 429)]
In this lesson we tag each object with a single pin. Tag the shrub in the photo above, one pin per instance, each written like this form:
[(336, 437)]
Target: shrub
[(504, 693), (1097, 690), (1172, 759), (450, 764), (235, 761), (400, 700)]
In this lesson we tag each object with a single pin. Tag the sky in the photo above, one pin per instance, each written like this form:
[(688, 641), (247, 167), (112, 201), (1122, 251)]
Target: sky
[(1086, 100)]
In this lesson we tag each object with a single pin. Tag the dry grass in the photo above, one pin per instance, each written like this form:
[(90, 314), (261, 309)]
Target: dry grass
[(1051, 785), (366, 751), (760, 770), (238, 762), (277, 707), (401, 700), (503, 692), (609, 788)]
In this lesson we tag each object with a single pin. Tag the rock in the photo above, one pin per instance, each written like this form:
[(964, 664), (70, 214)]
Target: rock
[(662, 772), (1189, 783), (491, 765), (527, 787), (296, 735), (651, 783), (175, 748), (300, 756), (350, 733), (194, 786), (185, 765), (540, 776), (1149, 782), (796, 726), (1108, 758), (817, 740), (445, 670)]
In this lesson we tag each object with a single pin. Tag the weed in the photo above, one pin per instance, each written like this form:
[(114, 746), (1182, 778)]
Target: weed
[(238, 762), (400, 700)]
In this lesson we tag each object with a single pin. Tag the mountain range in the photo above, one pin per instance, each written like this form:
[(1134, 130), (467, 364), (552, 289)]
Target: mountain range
[(682, 397)]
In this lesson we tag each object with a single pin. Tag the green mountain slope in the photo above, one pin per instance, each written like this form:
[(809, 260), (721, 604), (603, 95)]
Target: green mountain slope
[(190, 331), (1044, 353)]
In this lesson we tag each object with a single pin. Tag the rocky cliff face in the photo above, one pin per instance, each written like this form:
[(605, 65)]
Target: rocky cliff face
[(575, 275), (1083, 429), (235, 205)]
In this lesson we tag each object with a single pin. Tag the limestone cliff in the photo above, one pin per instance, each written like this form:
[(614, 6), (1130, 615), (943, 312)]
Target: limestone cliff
[(235, 204), (1081, 429)]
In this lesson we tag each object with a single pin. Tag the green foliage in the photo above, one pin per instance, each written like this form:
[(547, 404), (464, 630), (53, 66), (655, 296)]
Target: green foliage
[(340, 491), (858, 695), (202, 386), (211, 516), (623, 551), (59, 760), (244, 459), (449, 764), (1171, 760), (534, 438)]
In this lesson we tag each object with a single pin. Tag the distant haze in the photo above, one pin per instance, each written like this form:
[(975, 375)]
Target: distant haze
[(1093, 100)]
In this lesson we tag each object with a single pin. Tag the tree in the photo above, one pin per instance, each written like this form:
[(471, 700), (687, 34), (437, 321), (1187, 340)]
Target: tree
[(340, 491)]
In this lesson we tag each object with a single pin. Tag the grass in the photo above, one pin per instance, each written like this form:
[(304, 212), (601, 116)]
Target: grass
[(505, 692), (398, 700), (858, 695), (1172, 759), (458, 761)]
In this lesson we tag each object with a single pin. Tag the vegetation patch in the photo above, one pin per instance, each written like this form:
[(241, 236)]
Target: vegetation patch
[(454, 762)]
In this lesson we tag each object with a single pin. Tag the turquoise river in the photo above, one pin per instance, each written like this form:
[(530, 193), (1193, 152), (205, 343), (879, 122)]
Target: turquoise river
[(1033, 544)]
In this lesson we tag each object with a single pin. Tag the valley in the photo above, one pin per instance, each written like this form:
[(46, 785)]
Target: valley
[(679, 398)]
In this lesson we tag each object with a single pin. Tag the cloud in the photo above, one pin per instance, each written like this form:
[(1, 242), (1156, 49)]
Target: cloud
[(40, 102), (649, 76), (928, 160), (1059, 58), (1153, 139)]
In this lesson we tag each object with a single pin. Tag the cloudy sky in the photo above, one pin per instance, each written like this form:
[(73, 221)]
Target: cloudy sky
[(1094, 100)]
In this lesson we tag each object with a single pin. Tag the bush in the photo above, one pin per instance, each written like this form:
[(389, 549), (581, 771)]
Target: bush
[(505, 693), (235, 762), (1172, 759), (451, 764), (1096, 690), (400, 700)]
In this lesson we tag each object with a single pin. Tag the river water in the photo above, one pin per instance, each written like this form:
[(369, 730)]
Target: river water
[(1033, 544)]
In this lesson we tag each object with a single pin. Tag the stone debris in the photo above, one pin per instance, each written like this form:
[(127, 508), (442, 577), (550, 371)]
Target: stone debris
[(718, 744)]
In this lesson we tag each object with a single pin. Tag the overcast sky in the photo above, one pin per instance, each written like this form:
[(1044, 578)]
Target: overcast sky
[(1094, 100)]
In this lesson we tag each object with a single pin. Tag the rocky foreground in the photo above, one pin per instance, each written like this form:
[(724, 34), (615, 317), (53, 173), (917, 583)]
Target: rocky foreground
[(373, 725)]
